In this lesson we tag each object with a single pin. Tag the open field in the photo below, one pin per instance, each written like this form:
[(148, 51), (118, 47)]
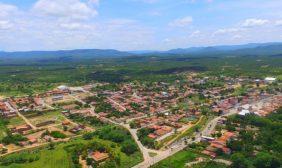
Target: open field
[(54, 115), (15, 121), (178, 160), (3, 128), (60, 158)]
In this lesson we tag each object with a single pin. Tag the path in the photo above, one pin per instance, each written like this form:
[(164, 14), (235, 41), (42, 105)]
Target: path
[(21, 116), (226, 162)]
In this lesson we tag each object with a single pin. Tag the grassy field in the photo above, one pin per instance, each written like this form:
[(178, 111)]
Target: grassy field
[(200, 123), (15, 121), (59, 158), (56, 158), (177, 160), (210, 165), (3, 128), (46, 116)]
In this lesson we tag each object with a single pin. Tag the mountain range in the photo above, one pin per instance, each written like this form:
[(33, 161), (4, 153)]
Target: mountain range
[(254, 49)]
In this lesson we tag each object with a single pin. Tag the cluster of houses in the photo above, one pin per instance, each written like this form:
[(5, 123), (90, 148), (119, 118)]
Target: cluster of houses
[(263, 108), (21, 129), (26, 104), (218, 145), (159, 130), (5, 111), (155, 106)]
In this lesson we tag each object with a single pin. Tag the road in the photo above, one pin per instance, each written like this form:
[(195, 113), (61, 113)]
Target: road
[(212, 124), (116, 103)]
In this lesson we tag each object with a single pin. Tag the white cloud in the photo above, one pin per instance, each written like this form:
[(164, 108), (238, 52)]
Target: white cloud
[(225, 31), (254, 22), (74, 26), (65, 9), (155, 13), (278, 23), (195, 33), (6, 10), (167, 40), (94, 2), (237, 37), (5, 24), (148, 1), (194, 1), (182, 22)]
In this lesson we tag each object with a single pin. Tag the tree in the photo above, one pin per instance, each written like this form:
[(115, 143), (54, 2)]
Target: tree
[(51, 145), (239, 161), (89, 161), (129, 147), (235, 145), (265, 160), (219, 152), (65, 128)]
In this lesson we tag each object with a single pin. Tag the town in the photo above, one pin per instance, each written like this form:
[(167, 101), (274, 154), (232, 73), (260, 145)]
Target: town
[(163, 118)]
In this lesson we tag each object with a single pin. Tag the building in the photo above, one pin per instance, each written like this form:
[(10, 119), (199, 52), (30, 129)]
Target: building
[(269, 79), (3, 149), (21, 129), (57, 97), (63, 87), (244, 112), (99, 156)]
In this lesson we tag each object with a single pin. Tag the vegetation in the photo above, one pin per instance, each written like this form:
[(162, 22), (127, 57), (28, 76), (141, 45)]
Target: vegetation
[(143, 137), (57, 134), (177, 160), (66, 155), (90, 120), (6, 137), (210, 164), (3, 128), (29, 77), (260, 148)]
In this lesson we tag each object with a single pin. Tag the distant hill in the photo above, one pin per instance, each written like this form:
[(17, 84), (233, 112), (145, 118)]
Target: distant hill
[(63, 55), (246, 49)]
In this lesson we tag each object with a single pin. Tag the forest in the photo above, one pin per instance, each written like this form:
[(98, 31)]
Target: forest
[(30, 77), (259, 143)]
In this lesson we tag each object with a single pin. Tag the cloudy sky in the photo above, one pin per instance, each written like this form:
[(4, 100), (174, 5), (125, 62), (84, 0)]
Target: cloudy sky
[(136, 24)]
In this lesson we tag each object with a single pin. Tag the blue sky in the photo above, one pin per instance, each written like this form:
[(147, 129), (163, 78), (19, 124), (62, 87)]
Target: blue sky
[(136, 24)]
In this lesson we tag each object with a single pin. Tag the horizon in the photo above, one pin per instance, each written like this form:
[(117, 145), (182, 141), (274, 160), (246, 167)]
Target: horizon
[(145, 51), (134, 25)]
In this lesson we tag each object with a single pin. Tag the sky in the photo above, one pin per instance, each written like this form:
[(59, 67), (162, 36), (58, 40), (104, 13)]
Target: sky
[(136, 24)]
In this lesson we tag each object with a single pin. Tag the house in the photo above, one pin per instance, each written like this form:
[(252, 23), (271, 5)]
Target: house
[(269, 79), (66, 122), (5, 110), (153, 136), (3, 149), (219, 144), (210, 153), (62, 88), (99, 156), (244, 112), (32, 140), (21, 129), (57, 97), (77, 129)]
